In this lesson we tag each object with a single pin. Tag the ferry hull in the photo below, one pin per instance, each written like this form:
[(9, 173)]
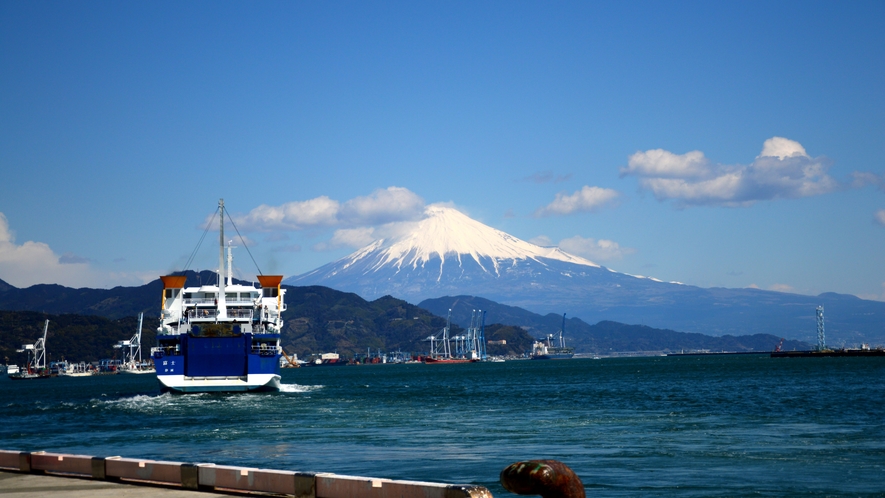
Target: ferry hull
[(251, 383)]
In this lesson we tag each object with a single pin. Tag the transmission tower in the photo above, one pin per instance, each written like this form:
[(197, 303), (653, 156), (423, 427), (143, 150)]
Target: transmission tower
[(821, 339)]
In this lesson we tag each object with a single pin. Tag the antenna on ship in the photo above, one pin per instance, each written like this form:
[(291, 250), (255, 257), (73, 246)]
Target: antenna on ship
[(230, 262)]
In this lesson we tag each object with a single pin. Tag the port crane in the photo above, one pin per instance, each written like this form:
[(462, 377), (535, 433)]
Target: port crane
[(132, 358), (39, 348)]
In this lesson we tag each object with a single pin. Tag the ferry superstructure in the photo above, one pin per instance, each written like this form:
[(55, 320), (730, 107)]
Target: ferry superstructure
[(220, 338)]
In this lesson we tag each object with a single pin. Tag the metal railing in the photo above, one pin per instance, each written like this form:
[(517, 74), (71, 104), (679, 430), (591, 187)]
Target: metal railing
[(202, 313), (265, 351), (211, 300), (211, 313)]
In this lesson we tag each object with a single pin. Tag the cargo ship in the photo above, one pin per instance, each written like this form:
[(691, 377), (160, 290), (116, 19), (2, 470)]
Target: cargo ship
[(327, 360), (219, 338), (543, 349)]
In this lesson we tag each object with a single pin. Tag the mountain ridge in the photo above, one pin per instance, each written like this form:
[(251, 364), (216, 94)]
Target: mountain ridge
[(318, 319), (414, 267)]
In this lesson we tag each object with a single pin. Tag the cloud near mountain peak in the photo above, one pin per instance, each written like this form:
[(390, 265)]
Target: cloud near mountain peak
[(587, 199), (381, 206)]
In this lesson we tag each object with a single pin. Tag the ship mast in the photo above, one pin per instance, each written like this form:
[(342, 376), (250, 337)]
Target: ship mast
[(222, 305)]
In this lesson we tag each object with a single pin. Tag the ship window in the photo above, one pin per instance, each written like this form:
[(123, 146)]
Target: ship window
[(171, 293), (230, 295), (270, 292)]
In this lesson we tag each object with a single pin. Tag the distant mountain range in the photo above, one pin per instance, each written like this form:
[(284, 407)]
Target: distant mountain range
[(85, 323), (450, 254)]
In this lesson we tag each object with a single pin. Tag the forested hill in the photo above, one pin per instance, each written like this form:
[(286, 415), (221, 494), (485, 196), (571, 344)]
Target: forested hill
[(322, 320), (70, 337)]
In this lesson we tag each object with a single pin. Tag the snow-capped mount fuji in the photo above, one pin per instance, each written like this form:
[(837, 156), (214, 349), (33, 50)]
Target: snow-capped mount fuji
[(449, 254), (449, 237), (446, 252)]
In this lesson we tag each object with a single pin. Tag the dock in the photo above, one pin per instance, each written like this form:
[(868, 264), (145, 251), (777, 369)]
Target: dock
[(21, 485), (40, 473)]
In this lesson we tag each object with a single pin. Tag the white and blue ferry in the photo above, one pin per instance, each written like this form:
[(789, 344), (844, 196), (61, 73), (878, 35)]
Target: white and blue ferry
[(220, 338)]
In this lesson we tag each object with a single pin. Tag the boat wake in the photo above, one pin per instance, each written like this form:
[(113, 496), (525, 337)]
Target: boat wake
[(295, 388)]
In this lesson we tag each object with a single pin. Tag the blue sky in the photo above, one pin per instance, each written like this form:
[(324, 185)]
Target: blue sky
[(728, 144)]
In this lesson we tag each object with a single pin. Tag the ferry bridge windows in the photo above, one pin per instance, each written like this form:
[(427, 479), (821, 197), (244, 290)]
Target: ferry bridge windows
[(271, 292), (172, 293)]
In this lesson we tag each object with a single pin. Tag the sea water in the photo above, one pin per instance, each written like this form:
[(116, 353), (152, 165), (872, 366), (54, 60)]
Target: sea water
[(686, 426)]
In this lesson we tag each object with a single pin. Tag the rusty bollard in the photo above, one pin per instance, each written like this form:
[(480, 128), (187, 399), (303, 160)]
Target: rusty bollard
[(548, 478)]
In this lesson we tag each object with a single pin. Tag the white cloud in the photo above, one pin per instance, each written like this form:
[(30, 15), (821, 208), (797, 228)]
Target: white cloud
[(594, 250), (586, 199), (660, 163), (296, 215), (880, 217), (861, 179), (348, 237), (782, 148), (34, 263), (382, 206), (541, 240), (782, 170)]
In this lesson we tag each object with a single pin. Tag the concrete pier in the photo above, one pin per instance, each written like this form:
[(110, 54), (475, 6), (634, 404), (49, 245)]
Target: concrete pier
[(18, 485), (44, 474)]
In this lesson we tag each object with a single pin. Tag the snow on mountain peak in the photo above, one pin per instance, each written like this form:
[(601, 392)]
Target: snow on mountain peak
[(448, 234)]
